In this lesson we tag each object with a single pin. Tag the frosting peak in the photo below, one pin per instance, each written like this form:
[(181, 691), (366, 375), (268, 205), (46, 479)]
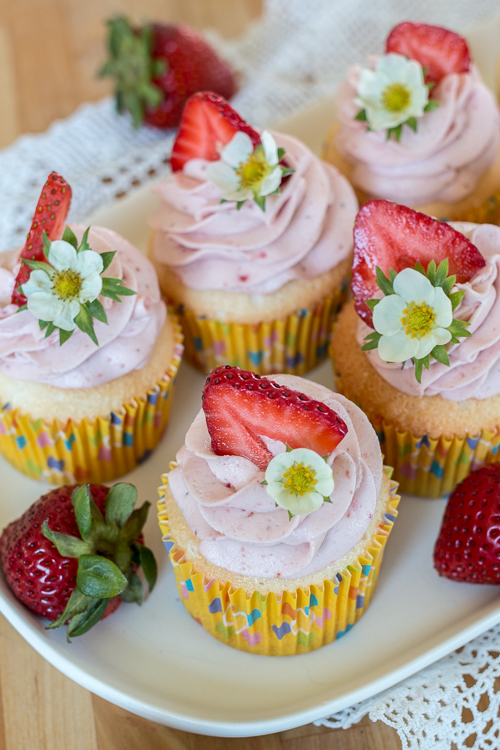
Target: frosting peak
[(442, 161), (474, 370), (125, 344), (305, 230), (238, 524)]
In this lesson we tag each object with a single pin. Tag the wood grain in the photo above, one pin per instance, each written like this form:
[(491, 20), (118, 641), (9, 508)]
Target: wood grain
[(49, 53)]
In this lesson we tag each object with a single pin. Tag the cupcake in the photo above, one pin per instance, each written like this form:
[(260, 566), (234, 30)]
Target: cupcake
[(252, 242), (276, 513), (418, 126), (419, 348), (88, 353)]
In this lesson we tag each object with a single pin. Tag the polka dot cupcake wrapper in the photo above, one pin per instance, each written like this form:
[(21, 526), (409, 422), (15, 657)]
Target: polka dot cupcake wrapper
[(431, 467), (293, 622), (293, 345), (93, 451)]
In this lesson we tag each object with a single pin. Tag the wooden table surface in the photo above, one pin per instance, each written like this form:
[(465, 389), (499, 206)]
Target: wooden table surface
[(49, 52)]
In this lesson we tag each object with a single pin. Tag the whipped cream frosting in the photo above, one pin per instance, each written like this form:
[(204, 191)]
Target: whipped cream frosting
[(305, 230), (474, 370), (125, 344), (238, 524), (443, 161)]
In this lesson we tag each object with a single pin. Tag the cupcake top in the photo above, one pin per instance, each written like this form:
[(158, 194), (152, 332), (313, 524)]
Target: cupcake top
[(276, 478), (78, 308), (425, 332), (418, 124), (125, 343), (259, 212)]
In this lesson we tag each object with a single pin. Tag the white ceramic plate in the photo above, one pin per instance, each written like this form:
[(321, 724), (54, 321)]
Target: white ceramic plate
[(159, 663)]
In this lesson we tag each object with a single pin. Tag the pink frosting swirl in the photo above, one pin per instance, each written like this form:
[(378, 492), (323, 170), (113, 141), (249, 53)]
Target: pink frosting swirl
[(305, 230), (474, 370), (443, 161), (238, 524), (125, 344)]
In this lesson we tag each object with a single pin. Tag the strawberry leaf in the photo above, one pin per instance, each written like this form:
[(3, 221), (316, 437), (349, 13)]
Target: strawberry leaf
[(70, 237), (133, 592), (64, 336), (107, 259), (81, 499), (133, 527), (82, 622), (148, 564), (120, 503), (66, 545), (85, 323), (99, 577), (441, 355), (97, 311)]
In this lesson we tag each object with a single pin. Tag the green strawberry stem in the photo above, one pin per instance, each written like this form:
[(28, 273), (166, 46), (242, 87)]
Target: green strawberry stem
[(108, 555)]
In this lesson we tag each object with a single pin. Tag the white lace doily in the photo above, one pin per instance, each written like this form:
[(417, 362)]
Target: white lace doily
[(294, 55)]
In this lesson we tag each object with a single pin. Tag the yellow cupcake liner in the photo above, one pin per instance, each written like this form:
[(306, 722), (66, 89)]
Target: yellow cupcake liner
[(431, 467), (294, 344), (293, 622), (94, 451)]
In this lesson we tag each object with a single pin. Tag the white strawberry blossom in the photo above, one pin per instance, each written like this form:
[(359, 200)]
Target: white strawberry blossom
[(393, 92), (245, 172), (299, 480), (57, 295), (413, 320)]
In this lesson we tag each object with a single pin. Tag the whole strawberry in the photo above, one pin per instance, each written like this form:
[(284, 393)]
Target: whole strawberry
[(468, 546), (72, 556), (157, 67)]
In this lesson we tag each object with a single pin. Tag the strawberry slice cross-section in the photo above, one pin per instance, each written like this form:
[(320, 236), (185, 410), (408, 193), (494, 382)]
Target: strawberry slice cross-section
[(440, 51), (241, 406), (388, 235), (208, 124), (50, 216)]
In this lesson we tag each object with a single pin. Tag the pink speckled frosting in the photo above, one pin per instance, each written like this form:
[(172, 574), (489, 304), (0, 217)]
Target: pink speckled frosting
[(443, 161), (474, 370), (238, 524), (305, 230), (125, 344)]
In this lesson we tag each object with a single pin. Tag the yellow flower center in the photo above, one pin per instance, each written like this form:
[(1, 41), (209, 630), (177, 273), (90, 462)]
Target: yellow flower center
[(253, 171), (67, 284), (396, 97), (299, 479), (418, 320)]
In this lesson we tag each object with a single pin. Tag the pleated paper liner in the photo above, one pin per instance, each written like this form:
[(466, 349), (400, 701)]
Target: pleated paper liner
[(294, 622), (94, 451), (293, 345), (431, 467)]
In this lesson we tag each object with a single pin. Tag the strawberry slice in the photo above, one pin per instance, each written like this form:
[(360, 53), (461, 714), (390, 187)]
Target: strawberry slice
[(438, 50), (240, 406), (50, 216), (391, 236), (208, 122)]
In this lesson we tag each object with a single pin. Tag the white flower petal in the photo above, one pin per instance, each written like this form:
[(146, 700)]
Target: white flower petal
[(435, 337), (301, 506), (44, 306), (397, 348), (88, 263), (66, 318), (393, 66), (38, 281), (90, 289), (223, 176), (62, 255), (271, 182), (387, 315), (442, 309), (270, 148), (237, 150), (413, 286)]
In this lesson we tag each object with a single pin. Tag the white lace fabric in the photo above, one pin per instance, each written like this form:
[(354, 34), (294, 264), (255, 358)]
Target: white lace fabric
[(293, 56)]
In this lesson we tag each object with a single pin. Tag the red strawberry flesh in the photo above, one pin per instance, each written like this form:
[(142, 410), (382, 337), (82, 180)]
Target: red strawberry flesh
[(468, 546), (208, 123), (37, 574), (50, 216), (240, 406), (388, 235), (438, 50), (192, 65)]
